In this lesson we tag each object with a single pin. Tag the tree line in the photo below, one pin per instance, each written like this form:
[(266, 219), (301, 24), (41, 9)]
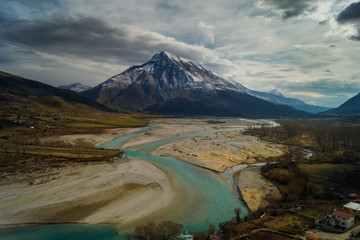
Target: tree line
[(324, 135)]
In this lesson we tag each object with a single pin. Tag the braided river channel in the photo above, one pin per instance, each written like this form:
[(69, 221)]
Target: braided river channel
[(203, 197)]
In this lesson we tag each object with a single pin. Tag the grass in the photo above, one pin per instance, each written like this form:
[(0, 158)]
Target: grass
[(325, 169), (86, 125), (123, 122), (313, 213), (326, 173), (290, 223), (53, 150)]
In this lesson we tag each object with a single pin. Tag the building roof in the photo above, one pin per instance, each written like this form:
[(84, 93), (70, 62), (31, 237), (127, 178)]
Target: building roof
[(340, 214), (311, 238), (352, 205)]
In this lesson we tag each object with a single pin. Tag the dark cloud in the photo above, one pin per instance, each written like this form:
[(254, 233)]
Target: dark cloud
[(85, 37), (291, 8), (287, 70), (355, 37), (92, 39), (350, 13), (326, 86), (4, 17), (325, 92)]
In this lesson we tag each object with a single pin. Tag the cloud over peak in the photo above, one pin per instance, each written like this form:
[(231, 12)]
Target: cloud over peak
[(89, 37), (290, 8)]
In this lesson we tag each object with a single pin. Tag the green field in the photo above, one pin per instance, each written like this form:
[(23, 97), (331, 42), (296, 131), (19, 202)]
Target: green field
[(122, 122)]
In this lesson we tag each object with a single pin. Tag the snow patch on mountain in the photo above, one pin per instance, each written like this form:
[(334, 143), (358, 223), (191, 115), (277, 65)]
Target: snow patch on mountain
[(276, 92), (77, 87), (169, 72)]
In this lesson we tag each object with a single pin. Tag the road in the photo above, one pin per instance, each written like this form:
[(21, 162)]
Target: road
[(333, 236)]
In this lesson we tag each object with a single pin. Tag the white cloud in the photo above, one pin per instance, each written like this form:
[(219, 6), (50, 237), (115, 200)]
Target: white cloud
[(209, 30)]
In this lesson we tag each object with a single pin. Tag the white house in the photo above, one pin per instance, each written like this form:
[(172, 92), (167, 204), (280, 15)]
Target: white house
[(341, 219), (353, 208)]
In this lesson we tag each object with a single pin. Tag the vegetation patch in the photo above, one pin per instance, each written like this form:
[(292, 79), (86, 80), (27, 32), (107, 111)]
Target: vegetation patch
[(87, 125), (123, 122), (290, 223), (315, 213)]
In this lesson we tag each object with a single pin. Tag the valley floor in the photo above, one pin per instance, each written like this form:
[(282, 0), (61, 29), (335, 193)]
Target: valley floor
[(117, 193)]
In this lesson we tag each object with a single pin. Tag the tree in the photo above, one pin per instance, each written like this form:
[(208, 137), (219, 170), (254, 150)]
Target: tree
[(228, 229), (166, 230), (237, 217)]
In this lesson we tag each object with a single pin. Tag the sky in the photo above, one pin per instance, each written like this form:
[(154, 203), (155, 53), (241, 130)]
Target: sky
[(307, 49)]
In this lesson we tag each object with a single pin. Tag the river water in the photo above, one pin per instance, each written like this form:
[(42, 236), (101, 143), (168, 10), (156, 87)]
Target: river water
[(205, 197)]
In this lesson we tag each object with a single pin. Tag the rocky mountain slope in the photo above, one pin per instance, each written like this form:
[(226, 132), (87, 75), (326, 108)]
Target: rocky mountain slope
[(278, 98), (168, 84), (351, 106)]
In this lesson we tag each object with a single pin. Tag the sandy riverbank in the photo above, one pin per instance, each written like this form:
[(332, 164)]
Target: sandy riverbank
[(217, 151), (90, 140), (122, 193), (257, 192), (101, 193)]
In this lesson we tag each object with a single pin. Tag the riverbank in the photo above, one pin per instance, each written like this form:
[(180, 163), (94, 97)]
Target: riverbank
[(118, 194), (95, 194), (225, 152), (257, 192), (89, 140), (216, 151)]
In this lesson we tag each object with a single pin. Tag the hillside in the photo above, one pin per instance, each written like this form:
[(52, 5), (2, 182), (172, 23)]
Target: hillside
[(27, 99), (351, 106)]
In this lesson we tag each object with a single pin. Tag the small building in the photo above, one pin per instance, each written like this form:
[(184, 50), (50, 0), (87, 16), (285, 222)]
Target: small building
[(185, 236), (352, 195), (309, 237), (341, 219), (353, 208)]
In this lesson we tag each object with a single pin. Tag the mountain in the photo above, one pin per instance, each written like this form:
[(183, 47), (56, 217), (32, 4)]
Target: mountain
[(278, 98), (351, 106), (76, 87), (168, 84), (276, 93), (23, 96)]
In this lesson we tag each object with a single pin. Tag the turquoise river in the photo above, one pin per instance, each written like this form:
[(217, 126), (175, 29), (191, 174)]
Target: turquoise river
[(205, 197)]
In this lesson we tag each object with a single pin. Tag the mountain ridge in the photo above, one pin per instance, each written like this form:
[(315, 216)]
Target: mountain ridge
[(33, 94), (160, 84), (351, 106), (292, 102)]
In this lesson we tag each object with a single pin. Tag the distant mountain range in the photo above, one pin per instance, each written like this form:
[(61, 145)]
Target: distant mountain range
[(76, 87), (351, 106), (168, 84), (276, 97)]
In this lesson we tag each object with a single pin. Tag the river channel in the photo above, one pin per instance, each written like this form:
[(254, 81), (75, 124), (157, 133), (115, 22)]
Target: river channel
[(205, 198)]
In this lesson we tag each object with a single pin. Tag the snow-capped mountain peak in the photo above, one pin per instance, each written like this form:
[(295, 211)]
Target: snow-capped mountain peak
[(77, 87), (168, 72), (174, 85), (276, 92)]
